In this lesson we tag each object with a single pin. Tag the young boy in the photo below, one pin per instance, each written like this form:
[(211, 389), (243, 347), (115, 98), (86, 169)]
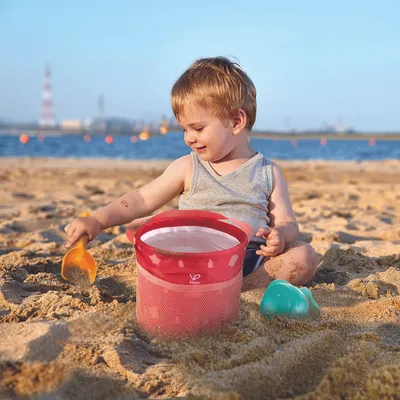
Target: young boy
[(215, 103)]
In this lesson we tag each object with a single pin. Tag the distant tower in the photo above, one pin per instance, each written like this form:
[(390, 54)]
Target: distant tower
[(287, 123), (101, 112), (100, 105), (47, 112)]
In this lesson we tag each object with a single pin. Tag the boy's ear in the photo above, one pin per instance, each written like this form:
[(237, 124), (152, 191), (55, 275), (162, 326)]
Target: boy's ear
[(239, 121)]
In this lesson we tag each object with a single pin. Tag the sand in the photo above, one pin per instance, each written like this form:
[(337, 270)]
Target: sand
[(61, 341)]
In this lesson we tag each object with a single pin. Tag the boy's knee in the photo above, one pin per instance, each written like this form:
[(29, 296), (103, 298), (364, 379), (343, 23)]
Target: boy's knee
[(298, 265), (307, 258)]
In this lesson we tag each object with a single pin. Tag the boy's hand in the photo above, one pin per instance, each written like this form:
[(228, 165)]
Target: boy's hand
[(137, 223), (82, 226), (275, 242)]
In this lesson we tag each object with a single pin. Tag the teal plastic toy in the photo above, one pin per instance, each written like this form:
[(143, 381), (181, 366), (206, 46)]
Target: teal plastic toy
[(282, 298)]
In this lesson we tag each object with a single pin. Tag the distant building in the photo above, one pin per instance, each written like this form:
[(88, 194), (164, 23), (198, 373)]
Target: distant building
[(71, 124), (87, 123)]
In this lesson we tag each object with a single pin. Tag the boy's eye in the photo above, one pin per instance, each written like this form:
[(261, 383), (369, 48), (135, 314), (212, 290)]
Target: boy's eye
[(196, 129)]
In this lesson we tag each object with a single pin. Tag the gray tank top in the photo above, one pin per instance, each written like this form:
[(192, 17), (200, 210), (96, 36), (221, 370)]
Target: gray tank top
[(242, 194)]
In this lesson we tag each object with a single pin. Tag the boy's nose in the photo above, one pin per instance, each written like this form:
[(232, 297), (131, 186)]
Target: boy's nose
[(192, 139)]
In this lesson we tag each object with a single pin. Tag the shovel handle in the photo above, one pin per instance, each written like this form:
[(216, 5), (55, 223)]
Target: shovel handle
[(82, 242)]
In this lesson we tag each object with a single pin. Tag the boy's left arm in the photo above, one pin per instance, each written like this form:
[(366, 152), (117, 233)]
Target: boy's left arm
[(283, 228)]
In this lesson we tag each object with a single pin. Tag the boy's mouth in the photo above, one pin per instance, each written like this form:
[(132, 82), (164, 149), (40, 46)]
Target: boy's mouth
[(200, 148)]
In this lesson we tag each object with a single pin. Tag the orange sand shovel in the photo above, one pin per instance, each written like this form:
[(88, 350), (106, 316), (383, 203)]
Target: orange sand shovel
[(78, 266)]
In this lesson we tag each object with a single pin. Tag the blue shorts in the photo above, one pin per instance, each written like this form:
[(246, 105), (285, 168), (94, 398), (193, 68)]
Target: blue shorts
[(251, 260)]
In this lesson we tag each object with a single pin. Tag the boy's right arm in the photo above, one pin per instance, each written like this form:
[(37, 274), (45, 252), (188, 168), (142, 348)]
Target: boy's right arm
[(135, 204)]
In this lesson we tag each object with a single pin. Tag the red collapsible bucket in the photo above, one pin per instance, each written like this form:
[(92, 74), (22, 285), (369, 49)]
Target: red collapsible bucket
[(189, 271)]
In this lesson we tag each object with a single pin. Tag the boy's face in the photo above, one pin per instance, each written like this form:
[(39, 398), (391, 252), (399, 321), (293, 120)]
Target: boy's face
[(206, 135)]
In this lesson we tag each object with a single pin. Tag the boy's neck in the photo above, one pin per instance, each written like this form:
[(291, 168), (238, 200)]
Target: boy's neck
[(232, 161), (240, 154)]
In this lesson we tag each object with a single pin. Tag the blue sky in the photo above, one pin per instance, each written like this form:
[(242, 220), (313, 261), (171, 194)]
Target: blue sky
[(312, 61)]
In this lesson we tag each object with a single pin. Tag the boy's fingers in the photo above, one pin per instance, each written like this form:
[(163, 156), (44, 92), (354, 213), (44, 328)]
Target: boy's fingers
[(269, 251), (70, 243), (70, 232), (267, 254), (263, 232), (273, 241), (73, 238)]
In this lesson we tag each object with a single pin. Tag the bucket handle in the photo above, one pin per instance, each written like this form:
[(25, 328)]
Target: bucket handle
[(137, 223)]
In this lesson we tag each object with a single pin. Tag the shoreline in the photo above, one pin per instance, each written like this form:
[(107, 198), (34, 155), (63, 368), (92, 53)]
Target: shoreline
[(259, 133), (161, 164)]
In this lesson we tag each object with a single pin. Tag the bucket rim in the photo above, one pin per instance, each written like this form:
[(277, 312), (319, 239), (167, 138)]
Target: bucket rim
[(206, 222)]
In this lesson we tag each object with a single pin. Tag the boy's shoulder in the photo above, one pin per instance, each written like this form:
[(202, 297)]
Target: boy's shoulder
[(276, 173), (182, 169), (182, 162), (180, 166), (269, 160)]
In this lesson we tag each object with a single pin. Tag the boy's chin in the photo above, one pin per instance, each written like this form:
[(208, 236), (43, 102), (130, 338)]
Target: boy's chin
[(206, 157)]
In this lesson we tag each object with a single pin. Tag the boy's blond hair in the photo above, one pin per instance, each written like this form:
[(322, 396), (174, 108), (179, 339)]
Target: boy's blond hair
[(216, 83)]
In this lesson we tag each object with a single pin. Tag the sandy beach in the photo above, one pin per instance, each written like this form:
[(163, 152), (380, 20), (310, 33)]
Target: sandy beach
[(62, 342)]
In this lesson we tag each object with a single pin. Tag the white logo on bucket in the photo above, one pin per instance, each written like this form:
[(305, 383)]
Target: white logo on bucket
[(194, 278)]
